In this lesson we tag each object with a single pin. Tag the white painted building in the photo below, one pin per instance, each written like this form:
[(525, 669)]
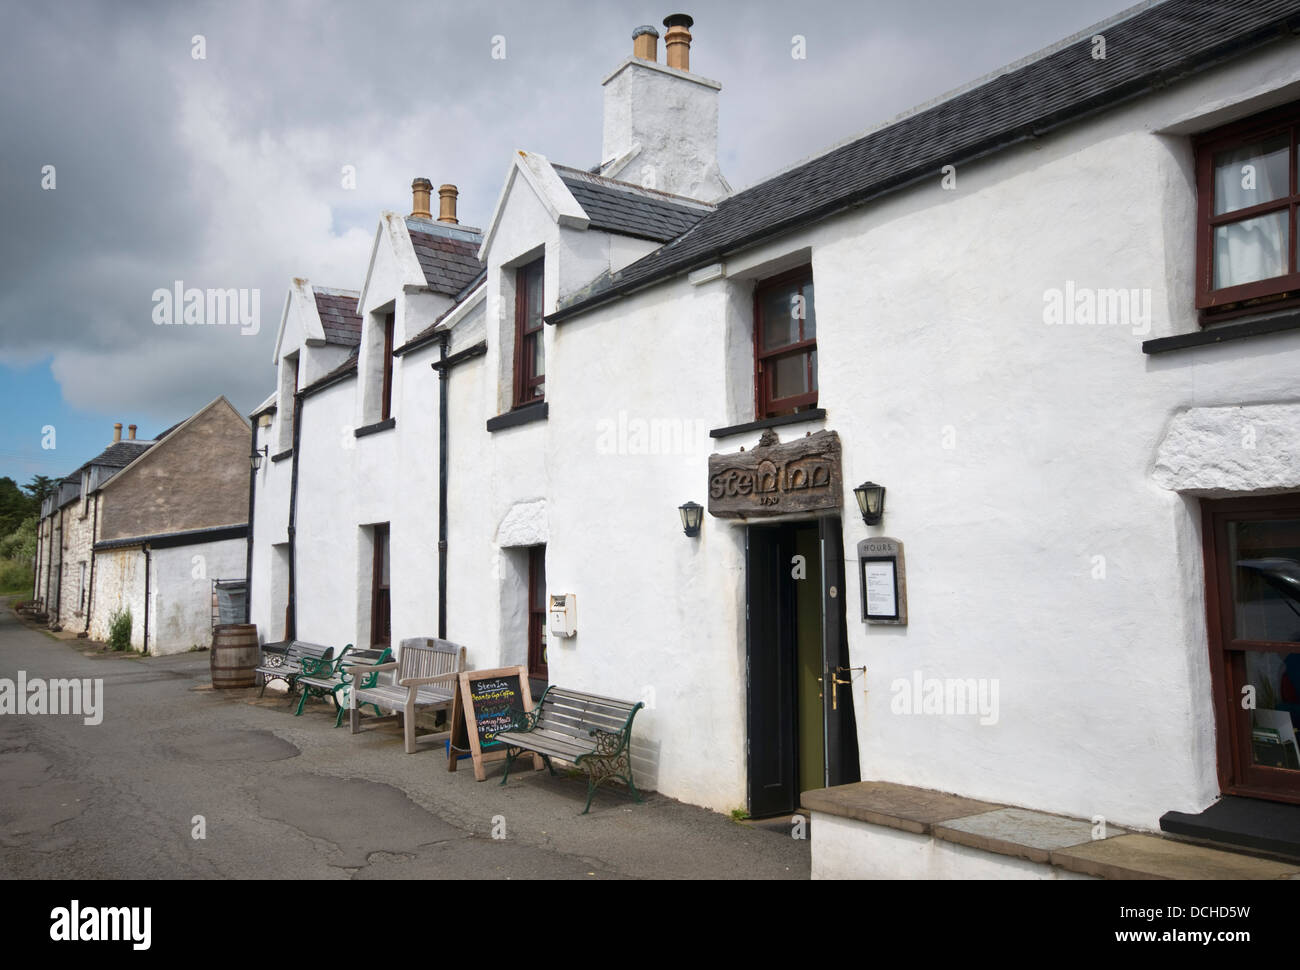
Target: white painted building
[(1039, 319)]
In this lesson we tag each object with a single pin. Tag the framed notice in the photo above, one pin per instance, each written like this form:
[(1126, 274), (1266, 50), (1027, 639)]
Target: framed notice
[(486, 702), (883, 581)]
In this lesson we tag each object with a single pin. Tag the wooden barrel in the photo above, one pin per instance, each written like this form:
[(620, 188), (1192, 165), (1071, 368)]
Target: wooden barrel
[(235, 654)]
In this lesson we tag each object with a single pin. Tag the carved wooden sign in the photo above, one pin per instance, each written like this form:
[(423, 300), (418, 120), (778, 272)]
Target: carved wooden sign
[(776, 479)]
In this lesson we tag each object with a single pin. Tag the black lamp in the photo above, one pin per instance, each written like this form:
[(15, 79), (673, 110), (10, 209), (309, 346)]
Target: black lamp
[(692, 515), (871, 500), (255, 459)]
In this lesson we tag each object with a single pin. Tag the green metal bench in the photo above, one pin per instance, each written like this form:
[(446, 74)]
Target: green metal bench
[(593, 733), (323, 678)]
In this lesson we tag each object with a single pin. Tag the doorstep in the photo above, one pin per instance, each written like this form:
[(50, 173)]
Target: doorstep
[(930, 834)]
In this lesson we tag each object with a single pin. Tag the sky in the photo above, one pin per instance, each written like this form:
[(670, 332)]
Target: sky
[(130, 162)]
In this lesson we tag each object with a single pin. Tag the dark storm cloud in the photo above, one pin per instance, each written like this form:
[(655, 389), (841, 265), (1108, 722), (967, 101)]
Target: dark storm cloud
[(225, 172)]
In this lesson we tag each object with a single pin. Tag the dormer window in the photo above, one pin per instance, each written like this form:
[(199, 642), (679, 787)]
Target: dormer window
[(785, 344), (530, 361), (288, 402), (386, 392)]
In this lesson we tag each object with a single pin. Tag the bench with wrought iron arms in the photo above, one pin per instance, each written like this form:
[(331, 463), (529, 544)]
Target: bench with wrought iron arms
[(593, 733), (284, 661), (325, 678), (424, 679)]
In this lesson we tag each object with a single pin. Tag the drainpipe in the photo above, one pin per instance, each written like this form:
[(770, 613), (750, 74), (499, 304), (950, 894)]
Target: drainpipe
[(145, 648), (252, 492), (292, 632), (443, 366), (90, 593), (442, 486)]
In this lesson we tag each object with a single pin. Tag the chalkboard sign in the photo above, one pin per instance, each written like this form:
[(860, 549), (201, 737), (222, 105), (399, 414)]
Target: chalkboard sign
[(486, 703)]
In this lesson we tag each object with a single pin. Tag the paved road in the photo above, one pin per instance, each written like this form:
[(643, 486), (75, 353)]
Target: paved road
[(292, 797)]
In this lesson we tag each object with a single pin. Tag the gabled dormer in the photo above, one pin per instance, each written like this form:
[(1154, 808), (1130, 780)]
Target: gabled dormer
[(319, 331), (418, 268)]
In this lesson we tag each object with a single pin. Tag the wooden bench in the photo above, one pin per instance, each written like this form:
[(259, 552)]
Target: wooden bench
[(593, 733), (424, 679), (284, 661)]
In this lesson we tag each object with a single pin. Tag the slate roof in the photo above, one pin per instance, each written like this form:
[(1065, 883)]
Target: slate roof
[(1153, 47), (629, 209), (448, 254), (120, 454), (338, 315)]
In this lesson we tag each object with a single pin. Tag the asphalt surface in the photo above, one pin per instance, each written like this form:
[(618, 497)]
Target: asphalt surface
[(291, 797)]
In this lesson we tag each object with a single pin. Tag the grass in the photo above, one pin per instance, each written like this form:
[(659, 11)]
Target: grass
[(739, 815)]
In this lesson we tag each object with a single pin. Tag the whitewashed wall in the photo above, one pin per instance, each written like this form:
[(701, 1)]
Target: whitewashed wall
[(180, 593)]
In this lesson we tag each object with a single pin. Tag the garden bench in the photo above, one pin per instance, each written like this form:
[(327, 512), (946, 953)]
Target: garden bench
[(284, 661), (593, 733), (332, 678), (424, 679)]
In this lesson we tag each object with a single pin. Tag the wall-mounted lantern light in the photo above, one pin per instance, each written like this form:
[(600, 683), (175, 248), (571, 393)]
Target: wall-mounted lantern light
[(255, 459), (871, 500), (692, 515)]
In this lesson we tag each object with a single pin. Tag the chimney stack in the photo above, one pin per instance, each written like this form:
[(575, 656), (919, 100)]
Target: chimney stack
[(421, 189), (117, 432), (645, 43), (131, 431), (677, 42), (661, 121), (447, 203)]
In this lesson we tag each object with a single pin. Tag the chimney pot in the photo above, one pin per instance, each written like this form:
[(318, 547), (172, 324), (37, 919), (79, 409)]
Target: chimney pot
[(117, 432), (447, 203), (421, 189), (645, 43), (677, 42), (131, 431)]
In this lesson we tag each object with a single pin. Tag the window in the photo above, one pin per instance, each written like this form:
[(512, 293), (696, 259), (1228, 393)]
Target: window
[(386, 393), (1248, 201), (530, 363), (537, 612), (381, 624), (785, 344)]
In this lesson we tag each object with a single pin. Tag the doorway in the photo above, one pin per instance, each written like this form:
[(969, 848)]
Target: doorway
[(1252, 574), (800, 726)]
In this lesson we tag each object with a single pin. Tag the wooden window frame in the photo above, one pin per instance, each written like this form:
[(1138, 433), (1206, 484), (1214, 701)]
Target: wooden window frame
[(526, 382), (537, 616), (381, 599), (765, 406), (1237, 771), (386, 394), (1278, 291)]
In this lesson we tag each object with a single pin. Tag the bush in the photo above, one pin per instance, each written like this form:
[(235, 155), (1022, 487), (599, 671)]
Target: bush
[(15, 576), (119, 629), (21, 543)]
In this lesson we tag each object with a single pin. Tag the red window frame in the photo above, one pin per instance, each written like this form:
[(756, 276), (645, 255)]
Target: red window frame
[(537, 666), (386, 401), (530, 387), (765, 405), (1278, 291)]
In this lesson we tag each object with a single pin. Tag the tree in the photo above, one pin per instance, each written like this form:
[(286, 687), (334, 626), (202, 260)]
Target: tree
[(41, 486), (15, 506)]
